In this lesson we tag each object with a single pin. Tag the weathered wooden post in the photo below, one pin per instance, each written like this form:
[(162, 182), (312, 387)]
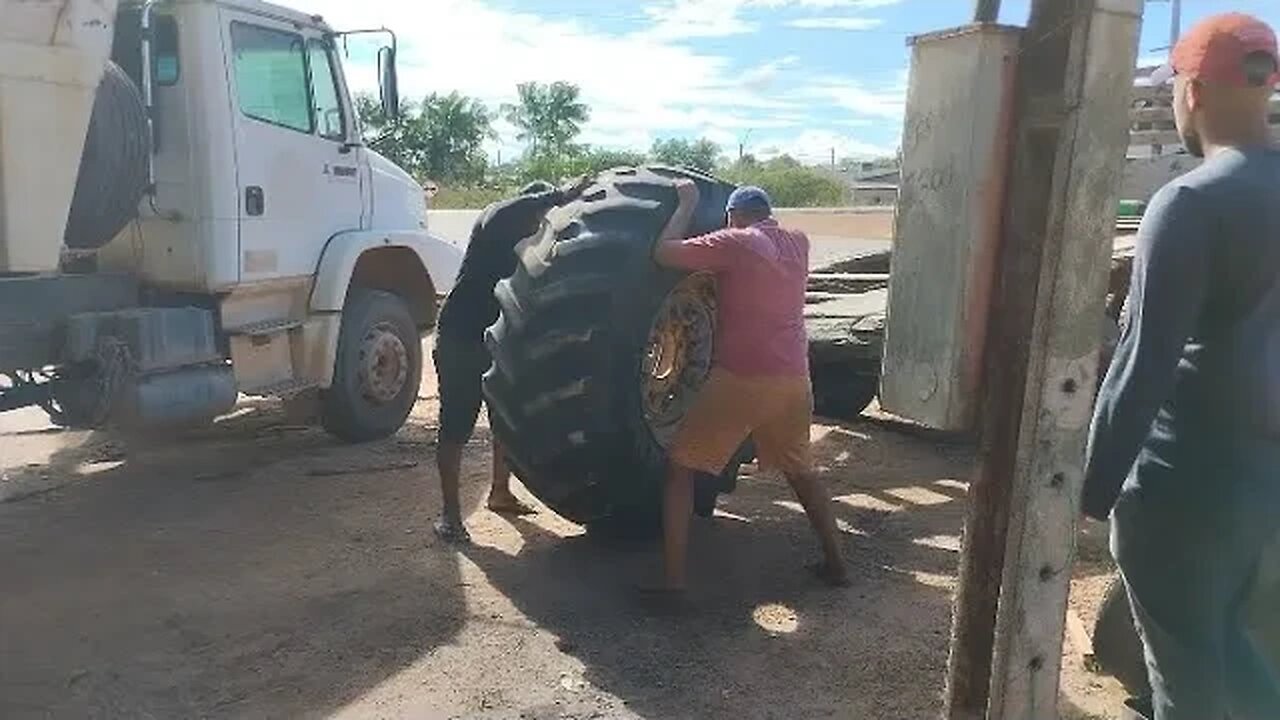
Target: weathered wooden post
[(1075, 75), (986, 11)]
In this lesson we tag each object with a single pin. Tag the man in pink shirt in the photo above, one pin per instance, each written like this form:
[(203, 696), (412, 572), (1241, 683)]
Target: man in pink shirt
[(759, 382)]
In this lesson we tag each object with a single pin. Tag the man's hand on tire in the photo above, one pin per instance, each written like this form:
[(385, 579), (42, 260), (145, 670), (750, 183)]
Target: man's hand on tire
[(687, 199), (677, 227), (687, 192)]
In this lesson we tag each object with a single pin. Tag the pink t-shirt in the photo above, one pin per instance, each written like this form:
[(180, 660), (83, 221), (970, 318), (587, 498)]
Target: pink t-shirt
[(761, 275)]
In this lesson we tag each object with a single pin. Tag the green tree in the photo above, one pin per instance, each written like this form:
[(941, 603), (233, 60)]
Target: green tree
[(601, 159), (455, 127), (575, 161), (440, 138), (549, 116), (701, 154), (789, 183), (401, 140)]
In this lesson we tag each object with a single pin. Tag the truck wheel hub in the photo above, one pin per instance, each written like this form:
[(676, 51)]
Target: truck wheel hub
[(384, 364), (678, 354)]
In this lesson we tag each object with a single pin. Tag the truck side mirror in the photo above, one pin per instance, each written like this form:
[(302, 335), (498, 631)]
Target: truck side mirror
[(388, 84)]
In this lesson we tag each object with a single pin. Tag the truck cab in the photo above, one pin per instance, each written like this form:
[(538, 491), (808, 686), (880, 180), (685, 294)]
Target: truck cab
[(284, 256)]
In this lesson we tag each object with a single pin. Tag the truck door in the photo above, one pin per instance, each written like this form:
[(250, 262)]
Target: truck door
[(298, 171)]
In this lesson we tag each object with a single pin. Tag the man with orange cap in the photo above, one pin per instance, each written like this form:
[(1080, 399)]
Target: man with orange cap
[(1184, 451)]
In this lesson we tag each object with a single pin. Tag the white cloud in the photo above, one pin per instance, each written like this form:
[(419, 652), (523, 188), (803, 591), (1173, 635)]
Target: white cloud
[(641, 84), (835, 23), (760, 78), (887, 104), (814, 147), (684, 19), (826, 4), (679, 19)]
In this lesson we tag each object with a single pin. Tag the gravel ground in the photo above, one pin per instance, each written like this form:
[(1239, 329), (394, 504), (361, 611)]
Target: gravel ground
[(259, 569)]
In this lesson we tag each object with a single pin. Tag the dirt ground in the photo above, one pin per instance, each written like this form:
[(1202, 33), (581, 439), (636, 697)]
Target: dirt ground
[(257, 569)]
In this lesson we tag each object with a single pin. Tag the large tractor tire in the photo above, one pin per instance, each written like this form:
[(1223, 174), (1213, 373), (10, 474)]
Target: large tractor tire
[(841, 394), (113, 167), (598, 351)]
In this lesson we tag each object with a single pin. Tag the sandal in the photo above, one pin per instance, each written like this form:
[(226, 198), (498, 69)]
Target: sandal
[(836, 578), (452, 532), (510, 506)]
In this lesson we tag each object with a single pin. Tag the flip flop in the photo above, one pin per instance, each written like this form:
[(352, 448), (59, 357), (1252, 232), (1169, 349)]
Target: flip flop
[(662, 601), (454, 533), (513, 508), (823, 572)]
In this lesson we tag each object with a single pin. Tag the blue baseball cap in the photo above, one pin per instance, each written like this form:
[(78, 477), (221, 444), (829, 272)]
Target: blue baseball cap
[(749, 197)]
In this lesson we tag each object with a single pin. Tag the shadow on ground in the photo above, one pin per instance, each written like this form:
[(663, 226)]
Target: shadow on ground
[(251, 569), (256, 569), (763, 640)]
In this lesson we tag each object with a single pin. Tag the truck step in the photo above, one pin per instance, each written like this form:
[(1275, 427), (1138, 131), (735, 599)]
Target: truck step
[(265, 328)]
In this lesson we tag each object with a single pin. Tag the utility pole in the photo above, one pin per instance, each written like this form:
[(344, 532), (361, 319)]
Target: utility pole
[(1075, 76), (1175, 22), (986, 11)]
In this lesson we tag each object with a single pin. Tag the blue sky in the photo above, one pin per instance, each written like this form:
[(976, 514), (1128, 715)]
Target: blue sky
[(794, 76)]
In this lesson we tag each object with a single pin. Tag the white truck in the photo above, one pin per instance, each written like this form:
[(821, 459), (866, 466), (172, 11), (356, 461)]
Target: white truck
[(188, 214)]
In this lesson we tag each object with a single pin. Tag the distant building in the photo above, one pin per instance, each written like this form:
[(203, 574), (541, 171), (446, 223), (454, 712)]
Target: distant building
[(1156, 155), (871, 182), (873, 193)]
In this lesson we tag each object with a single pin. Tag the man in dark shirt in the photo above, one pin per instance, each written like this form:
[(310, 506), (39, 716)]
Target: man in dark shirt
[(1184, 451), (460, 356)]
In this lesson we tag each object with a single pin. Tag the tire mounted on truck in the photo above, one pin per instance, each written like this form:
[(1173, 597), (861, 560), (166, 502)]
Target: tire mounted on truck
[(598, 351), (113, 168)]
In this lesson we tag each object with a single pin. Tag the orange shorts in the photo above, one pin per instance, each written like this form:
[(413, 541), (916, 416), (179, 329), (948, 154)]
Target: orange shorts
[(775, 411)]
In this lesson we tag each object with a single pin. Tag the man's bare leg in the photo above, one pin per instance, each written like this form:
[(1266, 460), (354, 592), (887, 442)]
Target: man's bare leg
[(813, 496), (677, 513), (501, 499), (449, 465)]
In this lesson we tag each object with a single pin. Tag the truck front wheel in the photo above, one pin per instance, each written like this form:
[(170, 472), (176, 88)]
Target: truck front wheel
[(378, 368)]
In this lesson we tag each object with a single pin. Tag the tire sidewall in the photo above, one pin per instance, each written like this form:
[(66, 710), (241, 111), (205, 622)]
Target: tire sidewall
[(347, 413), (840, 394)]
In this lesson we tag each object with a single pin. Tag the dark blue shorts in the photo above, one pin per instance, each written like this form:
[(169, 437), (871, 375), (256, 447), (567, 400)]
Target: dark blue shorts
[(460, 368)]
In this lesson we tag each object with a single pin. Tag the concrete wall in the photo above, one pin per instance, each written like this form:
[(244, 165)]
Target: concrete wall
[(875, 195), (452, 225), (1144, 176), (873, 223)]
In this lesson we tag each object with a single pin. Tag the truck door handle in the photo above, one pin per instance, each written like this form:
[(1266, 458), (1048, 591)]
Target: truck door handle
[(255, 202)]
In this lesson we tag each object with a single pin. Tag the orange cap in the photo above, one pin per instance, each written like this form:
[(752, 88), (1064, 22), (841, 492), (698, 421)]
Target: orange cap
[(1215, 49)]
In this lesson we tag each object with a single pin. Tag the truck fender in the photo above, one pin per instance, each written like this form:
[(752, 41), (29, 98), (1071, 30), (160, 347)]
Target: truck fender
[(340, 264)]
